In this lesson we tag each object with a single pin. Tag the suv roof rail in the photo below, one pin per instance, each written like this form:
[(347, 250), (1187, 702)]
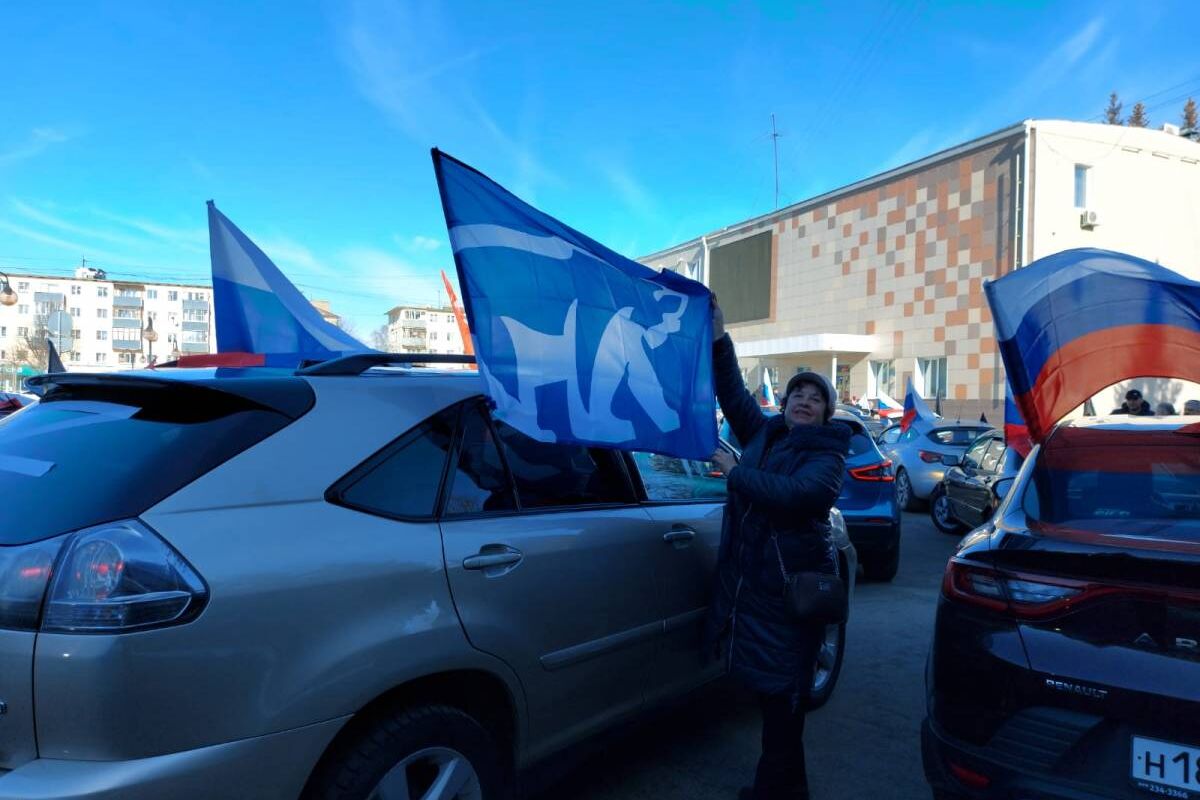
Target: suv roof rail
[(361, 362)]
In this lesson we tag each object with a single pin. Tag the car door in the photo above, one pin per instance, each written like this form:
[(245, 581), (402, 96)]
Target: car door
[(686, 500), (981, 471), (551, 565), (961, 481)]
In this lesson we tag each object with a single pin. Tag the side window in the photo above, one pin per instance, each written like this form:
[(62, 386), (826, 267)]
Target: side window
[(669, 478), (991, 459), (891, 436), (975, 453), (403, 479), (479, 483), (548, 474), (908, 435)]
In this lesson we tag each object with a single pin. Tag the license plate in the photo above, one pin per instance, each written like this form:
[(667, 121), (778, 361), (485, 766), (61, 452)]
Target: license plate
[(1165, 768)]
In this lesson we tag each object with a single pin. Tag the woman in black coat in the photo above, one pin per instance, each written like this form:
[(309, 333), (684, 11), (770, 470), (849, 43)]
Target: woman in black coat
[(780, 495)]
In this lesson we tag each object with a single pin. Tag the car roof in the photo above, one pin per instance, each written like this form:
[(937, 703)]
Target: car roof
[(1124, 422)]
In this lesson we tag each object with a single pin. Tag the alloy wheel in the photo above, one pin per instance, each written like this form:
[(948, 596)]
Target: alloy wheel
[(435, 773), (941, 510), (903, 490)]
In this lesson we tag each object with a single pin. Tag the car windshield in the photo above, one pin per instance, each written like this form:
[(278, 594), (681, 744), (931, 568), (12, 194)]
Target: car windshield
[(1140, 484), (957, 437)]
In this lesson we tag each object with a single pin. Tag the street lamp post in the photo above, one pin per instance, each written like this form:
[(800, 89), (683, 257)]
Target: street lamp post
[(151, 337), (7, 296)]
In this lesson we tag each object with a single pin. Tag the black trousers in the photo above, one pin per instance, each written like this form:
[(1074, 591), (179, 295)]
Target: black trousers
[(781, 773)]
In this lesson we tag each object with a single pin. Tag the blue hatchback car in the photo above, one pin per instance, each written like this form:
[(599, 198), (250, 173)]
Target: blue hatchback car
[(867, 502)]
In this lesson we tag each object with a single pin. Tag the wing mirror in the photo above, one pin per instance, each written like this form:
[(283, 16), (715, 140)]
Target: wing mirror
[(1002, 487)]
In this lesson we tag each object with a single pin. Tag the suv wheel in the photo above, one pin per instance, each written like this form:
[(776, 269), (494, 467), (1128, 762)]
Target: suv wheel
[(883, 566), (829, 665), (904, 492), (430, 752), (939, 512)]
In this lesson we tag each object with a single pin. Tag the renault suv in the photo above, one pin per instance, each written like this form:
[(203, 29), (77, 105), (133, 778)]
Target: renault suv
[(1066, 652), (347, 582)]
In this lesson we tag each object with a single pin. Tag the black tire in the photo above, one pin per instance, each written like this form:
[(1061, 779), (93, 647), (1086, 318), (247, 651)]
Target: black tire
[(905, 497), (943, 518), (354, 767), (824, 684), (882, 567)]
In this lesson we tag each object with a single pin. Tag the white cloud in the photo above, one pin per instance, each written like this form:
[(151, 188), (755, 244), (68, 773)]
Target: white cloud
[(372, 271), (193, 239), (417, 244), (635, 196), (48, 220), (75, 248), (37, 141)]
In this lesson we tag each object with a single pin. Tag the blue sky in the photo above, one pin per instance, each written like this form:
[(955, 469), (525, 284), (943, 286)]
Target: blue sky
[(640, 123)]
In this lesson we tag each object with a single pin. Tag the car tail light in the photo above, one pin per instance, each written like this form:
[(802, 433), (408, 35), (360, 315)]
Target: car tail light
[(24, 572), (1022, 595), (874, 472), (929, 457), (112, 578), (968, 777)]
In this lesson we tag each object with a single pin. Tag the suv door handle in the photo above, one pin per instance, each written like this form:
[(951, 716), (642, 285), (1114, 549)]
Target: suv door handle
[(679, 536), (504, 557)]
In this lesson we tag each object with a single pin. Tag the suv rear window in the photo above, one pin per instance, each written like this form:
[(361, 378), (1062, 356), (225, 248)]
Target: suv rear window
[(86, 455), (955, 437), (1126, 483)]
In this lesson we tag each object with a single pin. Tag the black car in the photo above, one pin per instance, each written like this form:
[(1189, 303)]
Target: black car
[(973, 489), (1066, 652)]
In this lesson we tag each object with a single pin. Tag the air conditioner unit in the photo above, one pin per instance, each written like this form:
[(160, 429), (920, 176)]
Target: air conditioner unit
[(1089, 219)]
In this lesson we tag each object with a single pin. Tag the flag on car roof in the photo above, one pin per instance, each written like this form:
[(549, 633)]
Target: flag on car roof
[(258, 311), (1070, 324), (577, 343), (53, 361), (915, 410)]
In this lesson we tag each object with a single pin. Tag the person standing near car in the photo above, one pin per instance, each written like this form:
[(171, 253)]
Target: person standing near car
[(1134, 405), (776, 521)]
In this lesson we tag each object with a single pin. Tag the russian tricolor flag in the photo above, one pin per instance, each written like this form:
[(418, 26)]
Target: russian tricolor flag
[(1016, 432), (1070, 324), (915, 409)]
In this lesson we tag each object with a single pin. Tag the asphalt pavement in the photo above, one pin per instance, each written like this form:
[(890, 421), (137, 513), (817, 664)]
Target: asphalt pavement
[(864, 743)]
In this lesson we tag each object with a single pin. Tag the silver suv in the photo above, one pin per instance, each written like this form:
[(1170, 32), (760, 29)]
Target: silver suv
[(346, 582)]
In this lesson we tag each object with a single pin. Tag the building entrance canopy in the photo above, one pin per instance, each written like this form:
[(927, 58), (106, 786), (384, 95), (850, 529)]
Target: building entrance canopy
[(831, 354)]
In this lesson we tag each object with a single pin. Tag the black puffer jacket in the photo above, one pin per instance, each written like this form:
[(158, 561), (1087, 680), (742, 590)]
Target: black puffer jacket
[(786, 483)]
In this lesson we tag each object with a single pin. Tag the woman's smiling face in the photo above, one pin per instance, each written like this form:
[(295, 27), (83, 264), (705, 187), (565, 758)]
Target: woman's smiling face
[(805, 406)]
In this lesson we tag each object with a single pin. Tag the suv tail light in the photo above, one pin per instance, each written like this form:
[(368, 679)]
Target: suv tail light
[(113, 578), (874, 472), (1021, 595)]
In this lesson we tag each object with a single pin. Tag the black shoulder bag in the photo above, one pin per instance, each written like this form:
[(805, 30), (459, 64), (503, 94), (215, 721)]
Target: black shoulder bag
[(813, 596)]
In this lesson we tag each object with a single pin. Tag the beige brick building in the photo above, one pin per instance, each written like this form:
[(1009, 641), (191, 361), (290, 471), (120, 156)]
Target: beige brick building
[(882, 280)]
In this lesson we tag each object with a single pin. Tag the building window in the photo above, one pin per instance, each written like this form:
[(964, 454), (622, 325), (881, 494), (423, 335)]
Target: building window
[(76, 289), (75, 333), (76, 312), (172, 296), (101, 291), (3, 330), (152, 294), (101, 357), (1081, 185), (23, 286), (22, 331), (23, 309), (931, 377), (881, 379), (102, 336), (102, 313)]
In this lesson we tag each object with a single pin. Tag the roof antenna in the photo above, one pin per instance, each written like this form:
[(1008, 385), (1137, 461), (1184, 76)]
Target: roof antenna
[(775, 143)]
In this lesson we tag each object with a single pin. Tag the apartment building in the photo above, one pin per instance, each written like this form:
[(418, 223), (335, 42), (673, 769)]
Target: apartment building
[(423, 329), (99, 325)]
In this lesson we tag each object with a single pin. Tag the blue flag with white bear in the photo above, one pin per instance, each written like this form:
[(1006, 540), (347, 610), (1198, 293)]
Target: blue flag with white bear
[(577, 343)]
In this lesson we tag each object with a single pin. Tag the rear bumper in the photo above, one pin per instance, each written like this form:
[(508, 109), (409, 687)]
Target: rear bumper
[(939, 750), (873, 537), (269, 767), (925, 479)]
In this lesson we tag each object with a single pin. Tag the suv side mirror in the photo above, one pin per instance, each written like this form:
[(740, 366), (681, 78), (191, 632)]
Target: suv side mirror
[(1002, 487)]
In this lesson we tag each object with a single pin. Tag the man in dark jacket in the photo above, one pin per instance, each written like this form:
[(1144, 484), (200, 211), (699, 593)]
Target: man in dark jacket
[(776, 520), (1135, 405)]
